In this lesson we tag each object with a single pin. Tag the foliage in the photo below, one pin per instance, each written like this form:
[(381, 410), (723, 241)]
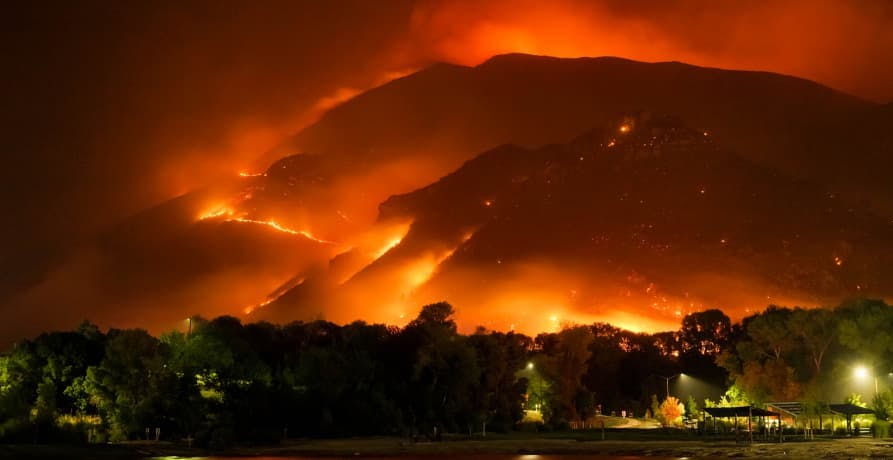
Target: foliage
[(809, 355), (882, 404), (691, 408), (225, 382), (880, 429), (671, 411)]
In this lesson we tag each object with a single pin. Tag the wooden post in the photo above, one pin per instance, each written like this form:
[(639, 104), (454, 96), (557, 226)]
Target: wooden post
[(736, 427), (749, 424), (780, 430)]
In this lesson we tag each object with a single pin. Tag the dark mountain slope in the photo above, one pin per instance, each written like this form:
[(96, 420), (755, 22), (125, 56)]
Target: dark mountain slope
[(655, 222)]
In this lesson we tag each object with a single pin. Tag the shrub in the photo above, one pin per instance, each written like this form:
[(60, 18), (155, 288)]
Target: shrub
[(840, 431), (880, 429)]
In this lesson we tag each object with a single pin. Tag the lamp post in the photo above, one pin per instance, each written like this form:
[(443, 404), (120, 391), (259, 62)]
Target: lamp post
[(667, 380), (861, 373)]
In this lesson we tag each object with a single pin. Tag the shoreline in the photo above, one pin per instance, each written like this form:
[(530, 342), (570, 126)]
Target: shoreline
[(397, 447)]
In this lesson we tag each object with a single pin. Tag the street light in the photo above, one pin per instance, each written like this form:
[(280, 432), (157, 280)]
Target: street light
[(667, 379), (861, 373), (529, 366)]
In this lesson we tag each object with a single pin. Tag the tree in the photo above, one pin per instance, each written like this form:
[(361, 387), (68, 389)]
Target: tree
[(442, 371), (500, 392), (816, 329), (564, 365), (705, 332), (436, 314), (866, 328), (671, 411), (120, 386)]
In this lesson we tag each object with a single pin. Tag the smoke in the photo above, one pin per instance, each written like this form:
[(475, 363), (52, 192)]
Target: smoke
[(113, 108), (839, 43)]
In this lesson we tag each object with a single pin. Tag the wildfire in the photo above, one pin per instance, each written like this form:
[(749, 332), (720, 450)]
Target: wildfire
[(390, 244), (274, 296), (249, 309), (230, 216), (272, 224), (248, 174), (216, 213)]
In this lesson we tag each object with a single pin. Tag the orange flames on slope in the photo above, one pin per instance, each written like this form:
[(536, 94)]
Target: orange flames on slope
[(229, 215)]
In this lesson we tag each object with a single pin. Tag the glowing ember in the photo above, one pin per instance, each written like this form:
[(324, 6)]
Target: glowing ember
[(248, 174), (624, 128)]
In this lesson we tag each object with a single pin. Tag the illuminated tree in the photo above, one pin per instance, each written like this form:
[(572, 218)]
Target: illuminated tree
[(671, 411)]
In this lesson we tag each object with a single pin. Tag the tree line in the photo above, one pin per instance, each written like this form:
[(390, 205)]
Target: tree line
[(223, 381)]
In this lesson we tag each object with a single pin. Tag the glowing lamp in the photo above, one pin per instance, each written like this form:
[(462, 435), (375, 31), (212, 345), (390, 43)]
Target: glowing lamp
[(860, 372)]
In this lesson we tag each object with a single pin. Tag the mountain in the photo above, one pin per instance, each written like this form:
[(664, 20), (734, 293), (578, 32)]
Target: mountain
[(639, 221), (444, 112), (308, 220)]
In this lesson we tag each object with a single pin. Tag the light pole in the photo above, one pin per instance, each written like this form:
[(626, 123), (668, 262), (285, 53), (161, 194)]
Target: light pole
[(861, 373), (667, 379)]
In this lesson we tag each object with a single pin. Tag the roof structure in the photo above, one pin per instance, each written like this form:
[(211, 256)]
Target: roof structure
[(739, 411), (849, 409), (792, 408)]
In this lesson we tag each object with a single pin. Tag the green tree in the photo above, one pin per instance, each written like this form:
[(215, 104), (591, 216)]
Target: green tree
[(866, 328), (120, 386), (564, 364)]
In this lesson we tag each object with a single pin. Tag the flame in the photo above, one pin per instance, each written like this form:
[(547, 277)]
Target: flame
[(230, 216), (216, 212), (389, 244), (249, 309), (276, 226), (248, 174)]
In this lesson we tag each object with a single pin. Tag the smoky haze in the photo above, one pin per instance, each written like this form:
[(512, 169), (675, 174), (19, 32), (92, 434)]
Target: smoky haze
[(113, 107)]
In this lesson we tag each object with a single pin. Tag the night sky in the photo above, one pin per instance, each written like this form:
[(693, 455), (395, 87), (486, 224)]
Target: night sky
[(111, 108)]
